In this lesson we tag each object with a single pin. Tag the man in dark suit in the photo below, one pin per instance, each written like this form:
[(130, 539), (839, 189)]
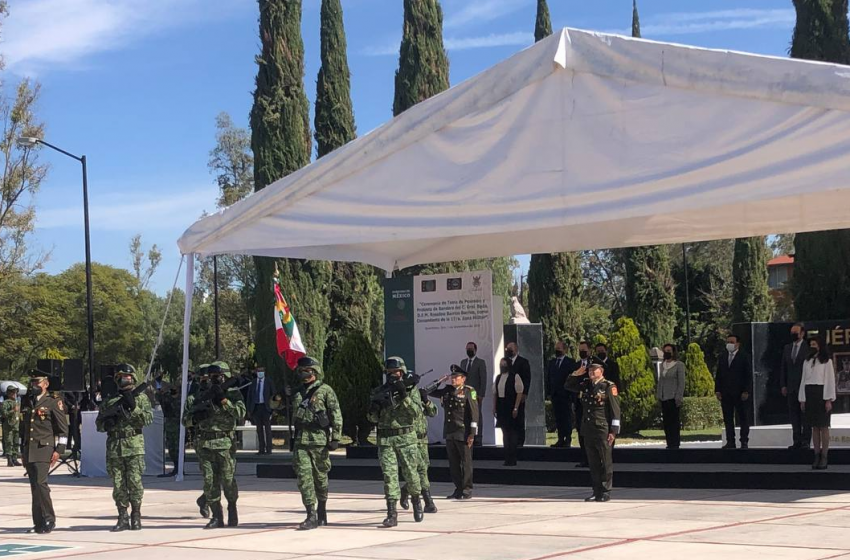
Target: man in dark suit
[(733, 385), (559, 369), (609, 365), (521, 367), (44, 435), (790, 377), (476, 377), (260, 408)]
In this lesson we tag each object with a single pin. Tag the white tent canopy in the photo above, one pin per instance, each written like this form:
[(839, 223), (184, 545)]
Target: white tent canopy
[(581, 141)]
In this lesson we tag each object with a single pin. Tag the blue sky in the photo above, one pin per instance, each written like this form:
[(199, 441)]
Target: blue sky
[(136, 85)]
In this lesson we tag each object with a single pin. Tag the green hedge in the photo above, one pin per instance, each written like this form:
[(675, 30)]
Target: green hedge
[(700, 413)]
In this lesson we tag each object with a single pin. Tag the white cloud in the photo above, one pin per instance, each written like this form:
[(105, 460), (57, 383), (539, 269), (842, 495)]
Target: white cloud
[(723, 20), (519, 38), (134, 212), (483, 11), (44, 33)]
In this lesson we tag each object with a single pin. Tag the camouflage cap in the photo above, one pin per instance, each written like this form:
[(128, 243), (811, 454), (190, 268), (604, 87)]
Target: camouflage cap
[(393, 363)]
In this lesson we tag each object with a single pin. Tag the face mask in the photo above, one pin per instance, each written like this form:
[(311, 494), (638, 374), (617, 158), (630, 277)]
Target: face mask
[(583, 354), (602, 356), (503, 369), (36, 390), (509, 352), (261, 374), (204, 384), (470, 353), (813, 352), (668, 355), (559, 353), (730, 348), (217, 380), (124, 382), (795, 336), (305, 375)]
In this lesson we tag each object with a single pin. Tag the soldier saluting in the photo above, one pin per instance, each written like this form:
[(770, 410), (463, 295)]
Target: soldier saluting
[(44, 435), (600, 424)]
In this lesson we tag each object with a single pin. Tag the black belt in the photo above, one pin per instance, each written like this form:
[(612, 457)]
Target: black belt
[(388, 432), (136, 432), (215, 435)]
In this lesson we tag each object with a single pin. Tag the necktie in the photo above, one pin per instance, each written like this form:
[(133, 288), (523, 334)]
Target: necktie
[(794, 353), (731, 357), (559, 362)]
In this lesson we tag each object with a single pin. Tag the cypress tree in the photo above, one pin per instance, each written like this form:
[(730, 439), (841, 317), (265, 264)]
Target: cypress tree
[(554, 298), (281, 142), (751, 301), (822, 259), (635, 20), (355, 292), (423, 66), (543, 25), (637, 380), (650, 299)]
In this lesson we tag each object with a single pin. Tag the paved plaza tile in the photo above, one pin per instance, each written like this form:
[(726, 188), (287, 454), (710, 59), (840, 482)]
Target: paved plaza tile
[(500, 523)]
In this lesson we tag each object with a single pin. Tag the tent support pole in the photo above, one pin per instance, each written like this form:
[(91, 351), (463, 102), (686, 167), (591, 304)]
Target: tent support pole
[(687, 298), (187, 320)]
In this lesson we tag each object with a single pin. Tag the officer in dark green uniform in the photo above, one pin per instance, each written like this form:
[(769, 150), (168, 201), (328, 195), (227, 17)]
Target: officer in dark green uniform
[(44, 435), (600, 424), (460, 427)]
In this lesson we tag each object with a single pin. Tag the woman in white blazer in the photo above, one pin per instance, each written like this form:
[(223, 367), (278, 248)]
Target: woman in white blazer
[(817, 393)]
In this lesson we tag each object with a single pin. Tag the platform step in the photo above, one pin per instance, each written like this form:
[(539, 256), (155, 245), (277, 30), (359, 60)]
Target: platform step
[(626, 475)]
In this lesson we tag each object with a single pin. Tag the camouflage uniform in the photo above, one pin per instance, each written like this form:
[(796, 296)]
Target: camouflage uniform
[(398, 446), (214, 441), (10, 415), (428, 410), (311, 457), (125, 449)]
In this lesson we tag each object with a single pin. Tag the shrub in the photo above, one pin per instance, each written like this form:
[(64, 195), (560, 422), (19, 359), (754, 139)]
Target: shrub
[(698, 379), (700, 413), (353, 372), (638, 383)]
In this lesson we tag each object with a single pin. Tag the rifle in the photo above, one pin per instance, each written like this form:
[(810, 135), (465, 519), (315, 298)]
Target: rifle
[(203, 405), (288, 396), (119, 408)]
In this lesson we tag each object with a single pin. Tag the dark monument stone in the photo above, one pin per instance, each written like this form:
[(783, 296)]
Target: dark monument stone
[(529, 340)]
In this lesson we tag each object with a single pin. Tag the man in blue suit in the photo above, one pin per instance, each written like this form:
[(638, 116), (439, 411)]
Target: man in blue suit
[(260, 409)]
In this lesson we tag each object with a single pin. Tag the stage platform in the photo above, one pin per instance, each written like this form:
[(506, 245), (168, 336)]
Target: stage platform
[(779, 435), (635, 467)]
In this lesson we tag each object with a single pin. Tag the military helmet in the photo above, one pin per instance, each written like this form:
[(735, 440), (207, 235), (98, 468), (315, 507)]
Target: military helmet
[(223, 368), (127, 369), (11, 389), (203, 370), (393, 363), (307, 363)]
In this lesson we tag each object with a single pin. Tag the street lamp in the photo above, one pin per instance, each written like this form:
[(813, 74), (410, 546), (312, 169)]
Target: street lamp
[(28, 142)]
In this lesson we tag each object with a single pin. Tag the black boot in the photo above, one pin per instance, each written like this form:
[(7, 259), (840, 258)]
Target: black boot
[(429, 502), (404, 501), (203, 508), (136, 518), (217, 519), (392, 515), (16, 463), (312, 520), (9, 462), (417, 509), (123, 521), (232, 515), (323, 513)]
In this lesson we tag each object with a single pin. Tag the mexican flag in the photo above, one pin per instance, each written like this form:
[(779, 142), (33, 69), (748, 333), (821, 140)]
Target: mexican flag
[(289, 345)]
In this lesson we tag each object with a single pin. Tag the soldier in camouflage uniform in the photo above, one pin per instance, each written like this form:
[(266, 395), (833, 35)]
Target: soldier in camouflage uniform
[(429, 410), (395, 412), (318, 423), (214, 413), (125, 445), (10, 415), (170, 402)]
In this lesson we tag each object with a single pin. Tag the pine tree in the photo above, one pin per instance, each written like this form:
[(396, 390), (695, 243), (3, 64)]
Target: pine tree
[(543, 25), (281, 142), (554, 298), (822, 259), (638, 382), (698, 379), (356, 299), (423, 66), (650, 300), (635, 20), (751, 301)]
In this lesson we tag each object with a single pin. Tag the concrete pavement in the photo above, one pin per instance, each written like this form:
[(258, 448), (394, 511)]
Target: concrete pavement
[(500, 523)]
